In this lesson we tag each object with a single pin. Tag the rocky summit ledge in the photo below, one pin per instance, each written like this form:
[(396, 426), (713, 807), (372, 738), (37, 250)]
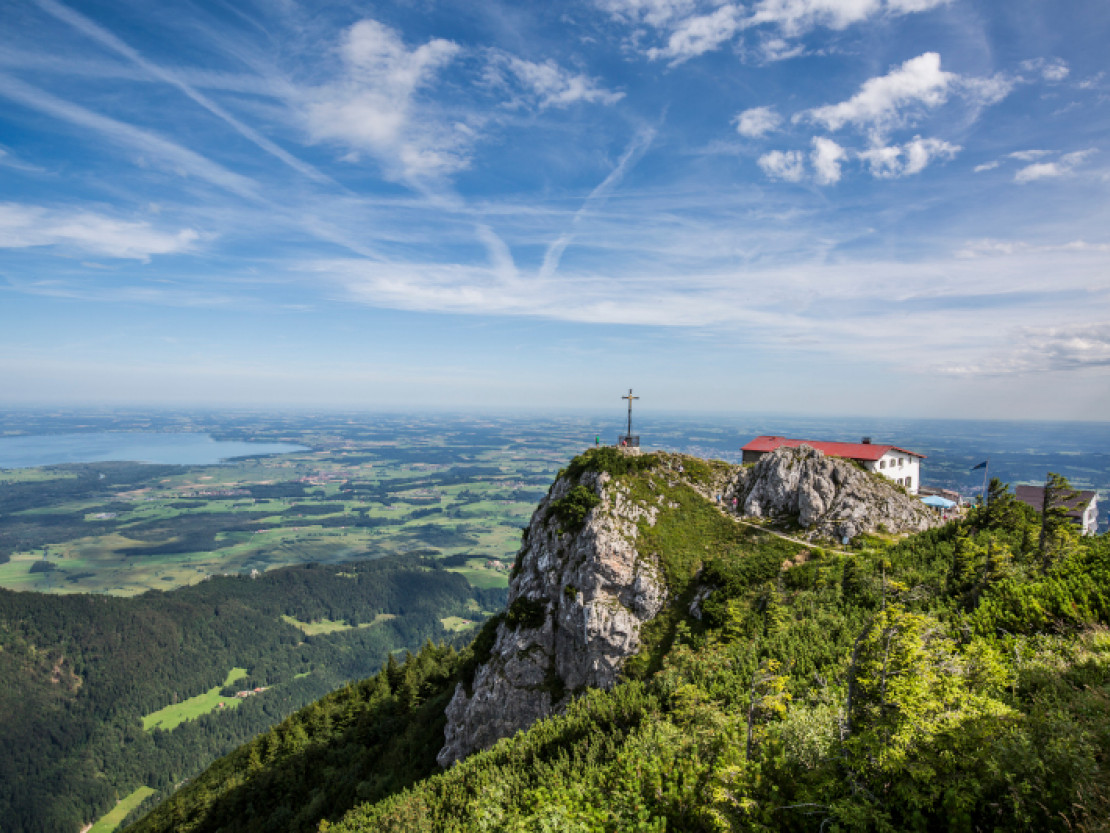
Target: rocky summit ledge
[(828, 497)]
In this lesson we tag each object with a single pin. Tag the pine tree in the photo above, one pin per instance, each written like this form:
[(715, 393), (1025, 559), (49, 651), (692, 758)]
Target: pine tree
[(1056, 527)]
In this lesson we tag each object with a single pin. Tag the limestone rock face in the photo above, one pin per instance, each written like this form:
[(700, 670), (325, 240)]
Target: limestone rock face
[(828, 496), (594, 591)]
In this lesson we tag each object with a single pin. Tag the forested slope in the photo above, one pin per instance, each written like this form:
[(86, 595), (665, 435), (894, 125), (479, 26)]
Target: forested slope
[(80, 671), (956, 680)]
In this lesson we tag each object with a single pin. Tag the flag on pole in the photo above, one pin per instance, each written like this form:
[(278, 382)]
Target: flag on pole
[(982, 465)]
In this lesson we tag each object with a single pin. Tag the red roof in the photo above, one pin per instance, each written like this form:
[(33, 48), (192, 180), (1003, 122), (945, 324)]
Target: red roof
[(853, 451)]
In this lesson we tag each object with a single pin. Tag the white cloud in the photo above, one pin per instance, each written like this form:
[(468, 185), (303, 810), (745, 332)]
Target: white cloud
[(372, 106), (1063, 166), (779, 49), (1051, 69), (1071, 347), (960, 311), (24, 226), (827, 156), (920, 152), (1040, 170), (700, 34), (548, 84), (888, 162), (989, 247), (904, 94), (757, 121), (1058, 349), (986, 166), (1029, 155), (788, 165), (1092, 83), (882, 101), (798, 16)]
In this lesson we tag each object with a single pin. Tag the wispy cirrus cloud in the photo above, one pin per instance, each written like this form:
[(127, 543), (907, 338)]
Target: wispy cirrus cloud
[(632, 153), (545, 84), (1050, 69), (1060, 349), (651, 12), (960, 313), (10, 160), (106, 38), (1065, 165), (172, 156), (989, 247), (1040, 163), (25, 226)]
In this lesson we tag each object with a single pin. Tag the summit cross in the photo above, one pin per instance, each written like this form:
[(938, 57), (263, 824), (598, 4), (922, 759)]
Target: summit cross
[(630, 397)]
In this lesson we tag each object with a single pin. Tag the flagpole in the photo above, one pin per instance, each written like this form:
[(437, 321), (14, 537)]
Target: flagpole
[(986, 471)]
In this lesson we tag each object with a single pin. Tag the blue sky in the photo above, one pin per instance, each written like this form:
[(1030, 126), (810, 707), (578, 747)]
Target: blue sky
[(887, 207)]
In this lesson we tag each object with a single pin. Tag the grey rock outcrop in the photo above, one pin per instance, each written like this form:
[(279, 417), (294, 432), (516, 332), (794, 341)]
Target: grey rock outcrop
[(587, 593), (828, 496)]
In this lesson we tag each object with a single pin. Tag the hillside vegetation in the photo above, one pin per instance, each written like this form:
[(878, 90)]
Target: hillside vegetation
[(104, 695), (956, 680)]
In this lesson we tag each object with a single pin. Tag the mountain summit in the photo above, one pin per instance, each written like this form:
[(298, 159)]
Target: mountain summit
[(664, 664)]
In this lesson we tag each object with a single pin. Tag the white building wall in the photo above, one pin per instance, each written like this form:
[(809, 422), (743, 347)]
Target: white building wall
[(902, 468), (1090, 517)]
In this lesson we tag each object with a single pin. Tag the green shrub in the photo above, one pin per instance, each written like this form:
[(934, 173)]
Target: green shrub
[(611, 460), (525, 613), (573, 507)]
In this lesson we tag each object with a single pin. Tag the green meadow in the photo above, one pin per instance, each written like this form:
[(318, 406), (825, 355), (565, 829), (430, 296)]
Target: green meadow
[(111, 820), (174, 715), (323, 626), (457, 623)]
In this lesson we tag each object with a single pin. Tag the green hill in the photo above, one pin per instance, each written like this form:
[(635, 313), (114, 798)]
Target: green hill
[(958, 679), (101, 696)]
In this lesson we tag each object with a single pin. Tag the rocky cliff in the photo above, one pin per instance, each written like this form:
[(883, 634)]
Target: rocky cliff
[(827, 496), (577, 601), (589, 574)]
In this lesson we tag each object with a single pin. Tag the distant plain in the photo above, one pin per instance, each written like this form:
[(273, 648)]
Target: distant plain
[(366, 486)]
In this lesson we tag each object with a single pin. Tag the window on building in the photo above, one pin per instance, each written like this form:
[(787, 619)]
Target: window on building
[(882, 464), (909, 482)]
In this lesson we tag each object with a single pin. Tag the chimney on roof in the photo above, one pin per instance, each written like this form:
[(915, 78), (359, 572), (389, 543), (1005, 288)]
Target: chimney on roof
[(867, 441)]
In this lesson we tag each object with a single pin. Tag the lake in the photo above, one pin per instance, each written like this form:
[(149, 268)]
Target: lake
[(184, 449)]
